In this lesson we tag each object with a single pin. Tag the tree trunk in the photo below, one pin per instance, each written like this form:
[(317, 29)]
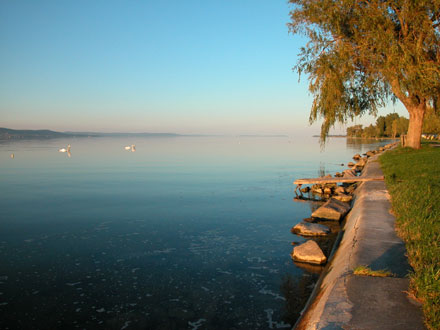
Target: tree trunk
[(416, 115)]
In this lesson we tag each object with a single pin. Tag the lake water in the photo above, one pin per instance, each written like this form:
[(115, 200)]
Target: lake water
[(183, 233)]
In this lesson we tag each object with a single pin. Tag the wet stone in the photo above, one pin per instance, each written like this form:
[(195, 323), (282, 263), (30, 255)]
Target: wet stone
[(309, 252), (310, 229)]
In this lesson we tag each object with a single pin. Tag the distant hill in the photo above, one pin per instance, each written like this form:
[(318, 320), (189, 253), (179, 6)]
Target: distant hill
[(10, 134), (13, 134)]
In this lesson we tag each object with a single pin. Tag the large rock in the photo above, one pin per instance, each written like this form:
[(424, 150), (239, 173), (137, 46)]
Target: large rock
[(357, 157), (310, 229), (332, 210), (309, 252)]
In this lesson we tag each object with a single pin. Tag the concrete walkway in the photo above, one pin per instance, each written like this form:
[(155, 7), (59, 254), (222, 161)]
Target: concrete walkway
[(346, 301)]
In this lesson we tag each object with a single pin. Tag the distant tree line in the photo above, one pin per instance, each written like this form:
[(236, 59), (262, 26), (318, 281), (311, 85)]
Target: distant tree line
[(392, 126)]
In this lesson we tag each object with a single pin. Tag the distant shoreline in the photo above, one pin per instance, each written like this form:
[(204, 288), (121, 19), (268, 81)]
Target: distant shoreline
[(13, 134), (358, 137), (336, 136)]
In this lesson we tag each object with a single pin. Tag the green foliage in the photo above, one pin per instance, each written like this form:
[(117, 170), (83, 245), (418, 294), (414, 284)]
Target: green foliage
[(354, 131), (413, 180), (431, 122), (362, 54), (381, 126), (391, 125)]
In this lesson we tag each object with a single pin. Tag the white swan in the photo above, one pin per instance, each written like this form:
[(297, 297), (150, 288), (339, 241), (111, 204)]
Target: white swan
[(132, 147), (65, 149)]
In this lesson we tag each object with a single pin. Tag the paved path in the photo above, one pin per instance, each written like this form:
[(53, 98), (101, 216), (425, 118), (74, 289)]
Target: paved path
[(347, 301)]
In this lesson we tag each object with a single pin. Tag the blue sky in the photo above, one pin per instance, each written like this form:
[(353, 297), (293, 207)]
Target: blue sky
[(193, 66)]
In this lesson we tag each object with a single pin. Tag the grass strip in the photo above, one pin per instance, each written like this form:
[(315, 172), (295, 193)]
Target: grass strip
[(413, 181), (367, 271)]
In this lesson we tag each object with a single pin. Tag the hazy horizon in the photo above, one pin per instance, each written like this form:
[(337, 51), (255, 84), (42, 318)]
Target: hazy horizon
[(184, 67)]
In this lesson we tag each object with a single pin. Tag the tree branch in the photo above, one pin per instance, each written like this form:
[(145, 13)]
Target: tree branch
[(395, 87)]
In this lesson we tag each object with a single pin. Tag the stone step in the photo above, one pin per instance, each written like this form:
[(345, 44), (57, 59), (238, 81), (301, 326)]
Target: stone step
[(309, 252)]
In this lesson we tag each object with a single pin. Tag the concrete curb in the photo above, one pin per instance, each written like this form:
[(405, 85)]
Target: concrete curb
[(342, 300)]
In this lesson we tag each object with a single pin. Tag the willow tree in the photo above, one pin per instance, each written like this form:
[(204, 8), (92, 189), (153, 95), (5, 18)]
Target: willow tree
[(363, 54)]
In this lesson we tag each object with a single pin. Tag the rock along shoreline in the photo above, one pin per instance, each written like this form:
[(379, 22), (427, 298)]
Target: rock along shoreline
[(343, 300)]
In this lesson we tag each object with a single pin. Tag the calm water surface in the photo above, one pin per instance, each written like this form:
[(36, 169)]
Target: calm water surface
[(183, 233)]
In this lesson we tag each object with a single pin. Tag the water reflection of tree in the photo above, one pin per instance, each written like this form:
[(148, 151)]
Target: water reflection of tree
[(321, 171), (357, 145), (296, 291)]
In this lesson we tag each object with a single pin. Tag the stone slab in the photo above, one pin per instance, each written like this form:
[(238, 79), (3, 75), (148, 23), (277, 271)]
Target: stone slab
[(310, 229), (309, 252), (332, 210)]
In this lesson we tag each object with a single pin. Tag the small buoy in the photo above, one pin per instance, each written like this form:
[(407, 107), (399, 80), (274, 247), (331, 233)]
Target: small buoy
[(12, 155)]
